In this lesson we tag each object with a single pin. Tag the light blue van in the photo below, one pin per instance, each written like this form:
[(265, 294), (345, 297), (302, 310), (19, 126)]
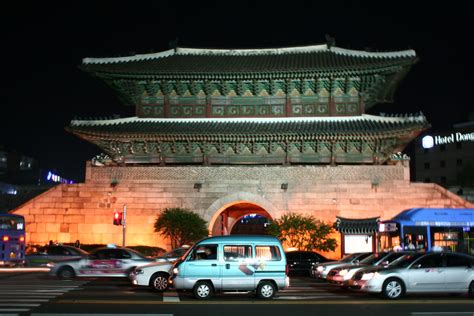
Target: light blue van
[(232, 263)]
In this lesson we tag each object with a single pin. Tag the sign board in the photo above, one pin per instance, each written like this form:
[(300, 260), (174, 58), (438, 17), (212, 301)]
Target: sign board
[(388, 227)]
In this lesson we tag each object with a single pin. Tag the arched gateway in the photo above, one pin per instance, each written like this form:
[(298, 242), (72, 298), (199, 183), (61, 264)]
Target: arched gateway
[(224, 214)]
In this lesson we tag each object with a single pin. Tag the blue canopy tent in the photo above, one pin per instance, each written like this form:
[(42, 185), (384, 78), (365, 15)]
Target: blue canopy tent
[(433, 217)]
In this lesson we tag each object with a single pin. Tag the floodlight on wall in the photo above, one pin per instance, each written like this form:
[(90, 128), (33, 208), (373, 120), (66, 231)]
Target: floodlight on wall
[(284, 186), (198, 186)]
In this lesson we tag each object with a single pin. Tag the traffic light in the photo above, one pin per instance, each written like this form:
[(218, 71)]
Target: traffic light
[(117, 218)]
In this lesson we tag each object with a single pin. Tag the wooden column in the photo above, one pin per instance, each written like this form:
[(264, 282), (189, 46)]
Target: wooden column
[(166, 106), (288, 111), (208, 106)]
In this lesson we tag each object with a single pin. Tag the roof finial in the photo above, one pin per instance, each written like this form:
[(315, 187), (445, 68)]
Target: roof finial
[(330, 41), (173, 44)]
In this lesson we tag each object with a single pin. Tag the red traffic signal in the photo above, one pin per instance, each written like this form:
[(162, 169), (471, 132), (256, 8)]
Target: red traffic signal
[(117, 218)]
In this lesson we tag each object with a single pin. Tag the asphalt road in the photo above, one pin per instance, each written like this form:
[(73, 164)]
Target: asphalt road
[(36, 294)]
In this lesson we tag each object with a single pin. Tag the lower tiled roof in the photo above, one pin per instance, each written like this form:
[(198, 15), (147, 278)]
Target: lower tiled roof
[(357, 226), (359, 127)]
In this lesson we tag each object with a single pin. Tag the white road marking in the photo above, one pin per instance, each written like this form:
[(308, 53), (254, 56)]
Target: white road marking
[(171, 297), (59, 314), (307, 297), (21, 305), (13, 310), (442, 313), (10, 300)]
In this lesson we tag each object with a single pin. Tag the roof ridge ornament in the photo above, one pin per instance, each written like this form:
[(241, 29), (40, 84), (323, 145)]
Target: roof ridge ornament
[(330, 41)]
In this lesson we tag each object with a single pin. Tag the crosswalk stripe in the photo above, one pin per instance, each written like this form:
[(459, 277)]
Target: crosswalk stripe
[(22, 300), (30, 295), (20, 305), (59, 314), (35, 293)]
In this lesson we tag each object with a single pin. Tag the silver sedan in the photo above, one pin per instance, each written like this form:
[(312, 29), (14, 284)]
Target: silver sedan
[(102, 262), (419, 273)]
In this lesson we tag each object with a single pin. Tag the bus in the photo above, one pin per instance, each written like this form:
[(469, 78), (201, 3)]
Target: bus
[(12, 240)]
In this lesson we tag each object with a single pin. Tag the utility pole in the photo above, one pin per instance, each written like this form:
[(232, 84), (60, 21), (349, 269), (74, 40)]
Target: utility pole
[(124, 224)]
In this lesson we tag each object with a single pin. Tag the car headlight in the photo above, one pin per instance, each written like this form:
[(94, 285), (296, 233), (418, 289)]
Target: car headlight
[(369, 276), (175, 271), (50, 264), (320, 269), (343, 272), (138, 271)]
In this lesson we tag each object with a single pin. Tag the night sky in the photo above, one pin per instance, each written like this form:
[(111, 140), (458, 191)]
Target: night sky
[(43, 44)]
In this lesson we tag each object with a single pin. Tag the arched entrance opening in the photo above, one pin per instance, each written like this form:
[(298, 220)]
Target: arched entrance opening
[(241, 218)]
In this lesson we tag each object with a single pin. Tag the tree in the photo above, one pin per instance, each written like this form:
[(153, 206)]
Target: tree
[(181, 226), (303, 232)]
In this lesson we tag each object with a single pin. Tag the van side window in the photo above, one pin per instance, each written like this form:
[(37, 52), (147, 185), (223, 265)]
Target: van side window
[(205, 252), (237, 252), (269, 253)]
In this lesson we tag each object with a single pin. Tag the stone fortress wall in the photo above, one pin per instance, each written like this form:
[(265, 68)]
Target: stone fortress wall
[(70, 212)]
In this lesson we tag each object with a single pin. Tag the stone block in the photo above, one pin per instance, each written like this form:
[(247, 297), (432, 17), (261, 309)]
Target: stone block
[(64, 237), (75, 218), (52, 227), (64, 228)]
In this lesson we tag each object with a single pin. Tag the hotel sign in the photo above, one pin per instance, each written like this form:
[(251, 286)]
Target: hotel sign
[(430, 141)]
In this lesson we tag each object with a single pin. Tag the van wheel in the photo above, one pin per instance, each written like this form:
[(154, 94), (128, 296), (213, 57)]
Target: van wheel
[(266, 290), (393, 288), (66, 273), (159, 282), (471, 289), (202, 290)]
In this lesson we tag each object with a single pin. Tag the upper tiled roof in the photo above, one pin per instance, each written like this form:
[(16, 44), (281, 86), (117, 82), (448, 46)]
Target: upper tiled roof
[(362, 127), (240, 63)]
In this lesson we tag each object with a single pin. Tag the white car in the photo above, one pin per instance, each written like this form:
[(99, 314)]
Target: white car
[(154, 275), (321, 271), (419, 273)]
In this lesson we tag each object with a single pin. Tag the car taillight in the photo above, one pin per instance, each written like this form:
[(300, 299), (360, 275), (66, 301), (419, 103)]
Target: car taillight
[(287, 270), (6, 238)]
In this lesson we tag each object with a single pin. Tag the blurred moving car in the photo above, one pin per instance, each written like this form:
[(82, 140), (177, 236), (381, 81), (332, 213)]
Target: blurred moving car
[(54, 253), (111, 261), (300, 262), (341, 275), (173, 255), (321, 270), (156, 275), (419, 273)]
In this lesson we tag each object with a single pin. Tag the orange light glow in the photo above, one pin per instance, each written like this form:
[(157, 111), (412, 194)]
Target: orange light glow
[(22, 238), (6, 238)]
